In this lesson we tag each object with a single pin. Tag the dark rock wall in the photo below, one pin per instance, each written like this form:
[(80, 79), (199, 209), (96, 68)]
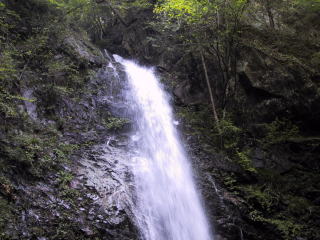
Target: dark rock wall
[(63, 173), (259, 180), (88, 195)]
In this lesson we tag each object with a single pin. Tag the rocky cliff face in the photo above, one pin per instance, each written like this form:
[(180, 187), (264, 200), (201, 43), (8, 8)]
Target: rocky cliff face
[(259, 177), (63, 160), (64, 155), (87, 193)]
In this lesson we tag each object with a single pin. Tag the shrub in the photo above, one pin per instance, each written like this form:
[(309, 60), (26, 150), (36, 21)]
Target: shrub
[(280, 131)]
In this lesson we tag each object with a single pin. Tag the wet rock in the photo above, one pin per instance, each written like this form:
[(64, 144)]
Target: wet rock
[(219, 237), (107, 183), (96, 202), (104, 204), (84, 50), (187, 95), (29, 104), (273, 89)]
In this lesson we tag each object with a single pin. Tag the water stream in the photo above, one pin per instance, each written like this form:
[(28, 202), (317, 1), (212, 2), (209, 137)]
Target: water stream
[(167, 206)]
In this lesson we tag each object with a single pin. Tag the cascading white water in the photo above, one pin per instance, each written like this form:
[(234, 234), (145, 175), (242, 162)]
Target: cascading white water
[(167, 207)]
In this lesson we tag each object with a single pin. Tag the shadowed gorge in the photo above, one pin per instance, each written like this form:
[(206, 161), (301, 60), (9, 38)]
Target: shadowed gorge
[(206, 127)]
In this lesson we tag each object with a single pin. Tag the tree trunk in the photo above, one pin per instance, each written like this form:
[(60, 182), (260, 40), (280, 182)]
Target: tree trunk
[(210, 92), (114, 11), (270, 15)]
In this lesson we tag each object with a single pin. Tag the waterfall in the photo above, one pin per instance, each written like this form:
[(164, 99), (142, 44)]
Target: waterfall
[(167, 205)]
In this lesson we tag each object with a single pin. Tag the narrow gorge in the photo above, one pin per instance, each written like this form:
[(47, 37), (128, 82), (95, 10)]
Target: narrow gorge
[(159, 120)]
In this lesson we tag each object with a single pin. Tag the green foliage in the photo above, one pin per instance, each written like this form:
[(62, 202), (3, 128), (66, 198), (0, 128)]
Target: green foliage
[(204, 18), (195, 11), (198, 119), (287, 54), (265, 201), (64, 179), (37, 154), (288, 228), (66, 229), (66, 75), (70, 195), (200, 124), (183, 9), (113, 123), (224, 135), (229, 133), (91, 16), (7, 77), (243, 159), (65, 191), (32, 62), (74, 10), (297, 206), (230, 181), (68, 148), (31, 51), (20, 54), (313, 5), (127, 4), (8, 19), (28, 147), (6, 216), (226, 138), (280, 200), (69, 3), (263, 196), (280, 130), (6, 186)]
